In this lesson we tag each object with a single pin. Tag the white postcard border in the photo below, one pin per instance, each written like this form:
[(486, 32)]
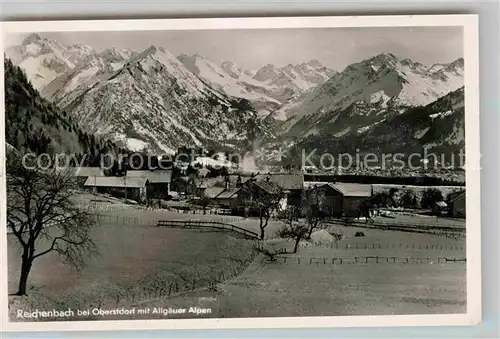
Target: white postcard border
[(473, 220)]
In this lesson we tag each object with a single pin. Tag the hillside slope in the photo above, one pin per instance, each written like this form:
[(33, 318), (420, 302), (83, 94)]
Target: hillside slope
[(32, 123), (437, 128)]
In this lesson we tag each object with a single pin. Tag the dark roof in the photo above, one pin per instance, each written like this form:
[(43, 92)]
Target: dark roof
[(186, 180), (353, 190), (122, 182), (268, 187)]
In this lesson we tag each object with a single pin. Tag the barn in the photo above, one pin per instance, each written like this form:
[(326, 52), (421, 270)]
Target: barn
[(291, 183), (456, 204), (345, 199), (158, 182), (134, 188)]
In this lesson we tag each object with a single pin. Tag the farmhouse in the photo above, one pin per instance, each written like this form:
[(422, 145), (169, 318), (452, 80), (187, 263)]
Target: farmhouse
[(158, 182), (231, 198), (291, 183), (456, 204), (345, 199), (134, 188)]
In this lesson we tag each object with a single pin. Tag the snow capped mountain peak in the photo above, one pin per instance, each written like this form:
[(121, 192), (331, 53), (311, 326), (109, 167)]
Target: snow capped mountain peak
[(43, 59), (315, 64), (457, 65), (266, 73), (32, 38), (375, 86)]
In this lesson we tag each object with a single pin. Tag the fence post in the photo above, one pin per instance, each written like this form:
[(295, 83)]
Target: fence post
[(324, 261)]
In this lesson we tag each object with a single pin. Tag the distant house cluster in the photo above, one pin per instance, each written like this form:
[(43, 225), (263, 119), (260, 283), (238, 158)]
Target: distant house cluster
[(338, 199), (138, 185)]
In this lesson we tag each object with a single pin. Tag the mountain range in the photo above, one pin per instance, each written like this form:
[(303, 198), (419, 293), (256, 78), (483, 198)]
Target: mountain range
[(154, 100)]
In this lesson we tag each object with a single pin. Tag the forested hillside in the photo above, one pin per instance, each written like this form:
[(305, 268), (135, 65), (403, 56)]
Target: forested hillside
[(34, 124)]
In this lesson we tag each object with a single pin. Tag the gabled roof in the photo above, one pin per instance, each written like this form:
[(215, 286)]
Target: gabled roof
[(154, 177), (122, 182), (268, 187), (231, 193), (441, 204), (353, 190), (212, 192)]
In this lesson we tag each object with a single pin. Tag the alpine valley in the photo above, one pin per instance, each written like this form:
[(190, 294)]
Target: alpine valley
[(153, 100)]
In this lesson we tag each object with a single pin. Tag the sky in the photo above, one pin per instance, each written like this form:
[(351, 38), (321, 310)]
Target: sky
[(335, 48)]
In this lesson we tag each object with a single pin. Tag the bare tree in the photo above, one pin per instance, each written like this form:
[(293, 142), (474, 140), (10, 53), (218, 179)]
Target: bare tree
[(266, 206), (294, 228), (40, 210), (314, 201)]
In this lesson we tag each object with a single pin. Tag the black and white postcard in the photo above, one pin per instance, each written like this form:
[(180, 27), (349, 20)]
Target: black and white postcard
[(240, 173)]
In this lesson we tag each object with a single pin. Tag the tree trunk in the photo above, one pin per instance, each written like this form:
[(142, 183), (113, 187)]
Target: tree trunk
[(310, 232), (262, 226), (204, 210), (25, 271), (296, 246), (311, 229)]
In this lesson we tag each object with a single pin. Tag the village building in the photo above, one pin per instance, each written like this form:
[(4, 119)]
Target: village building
[(230, 199), (440, 208), (159, 182), (345, 199), (292, 185), (184, 186), (456, 204), (134, 188)]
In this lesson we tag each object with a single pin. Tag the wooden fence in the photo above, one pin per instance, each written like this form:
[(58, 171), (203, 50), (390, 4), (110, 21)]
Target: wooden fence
[(384, 246), (207, 224), (403, 226), (367, 260)]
